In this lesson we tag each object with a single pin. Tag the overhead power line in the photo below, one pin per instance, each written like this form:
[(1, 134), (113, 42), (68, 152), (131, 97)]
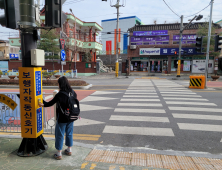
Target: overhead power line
[(170, 8), (199, 11)]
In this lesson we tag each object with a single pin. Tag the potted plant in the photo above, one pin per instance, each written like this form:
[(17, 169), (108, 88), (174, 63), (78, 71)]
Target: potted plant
[(11, 77), (47, 75), (215, 77)]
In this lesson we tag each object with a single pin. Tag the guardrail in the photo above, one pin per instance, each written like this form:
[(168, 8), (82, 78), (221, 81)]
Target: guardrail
[(10, 119)]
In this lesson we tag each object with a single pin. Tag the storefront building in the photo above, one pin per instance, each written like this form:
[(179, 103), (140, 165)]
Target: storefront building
[(152, 49)]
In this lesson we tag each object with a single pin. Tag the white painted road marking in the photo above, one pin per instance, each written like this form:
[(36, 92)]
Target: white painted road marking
[(199, 109), (139, 118), (197, 116), (200, 127), (139, 110), (178, 92), (141, 100), (179, 98), (140, 104), (96, 98), (138, 131), (180, 95), (140, 96), (190, 103)]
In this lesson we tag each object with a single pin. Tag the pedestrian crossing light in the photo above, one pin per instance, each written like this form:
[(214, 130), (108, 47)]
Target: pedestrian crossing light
[(175, 52), (218, 43), (11, 13), (199, 44)]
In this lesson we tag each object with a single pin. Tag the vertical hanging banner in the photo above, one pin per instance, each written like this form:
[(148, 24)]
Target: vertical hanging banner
[(30, 83)]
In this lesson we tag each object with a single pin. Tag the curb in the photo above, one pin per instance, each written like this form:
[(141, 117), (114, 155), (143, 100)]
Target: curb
[(50, 87)]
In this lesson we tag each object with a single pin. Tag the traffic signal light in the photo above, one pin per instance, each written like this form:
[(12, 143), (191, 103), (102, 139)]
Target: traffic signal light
[(175, 52), (199, 44), (217, 43), (11, 15), (54, 17)]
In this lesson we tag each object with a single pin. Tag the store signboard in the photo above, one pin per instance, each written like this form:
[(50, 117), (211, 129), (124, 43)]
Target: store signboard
[(166, 51), (185, 37), (150, 33), (150, 39), (149, 51)]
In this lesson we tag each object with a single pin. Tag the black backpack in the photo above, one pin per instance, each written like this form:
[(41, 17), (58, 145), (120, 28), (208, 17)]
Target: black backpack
[(72, 112)]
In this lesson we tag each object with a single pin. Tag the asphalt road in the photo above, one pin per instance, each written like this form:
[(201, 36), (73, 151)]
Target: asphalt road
[(160, 114), (166, 118)]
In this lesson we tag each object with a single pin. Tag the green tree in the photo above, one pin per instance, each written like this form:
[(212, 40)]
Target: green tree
[(50, 43), (203, 31)]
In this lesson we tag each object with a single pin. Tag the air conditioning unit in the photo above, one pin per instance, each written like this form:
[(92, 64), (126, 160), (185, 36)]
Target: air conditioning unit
[(133, 47)]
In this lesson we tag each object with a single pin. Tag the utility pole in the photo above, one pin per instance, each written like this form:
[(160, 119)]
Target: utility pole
[(182, 28), (208, 43), (74, 39), (180, 45), (117, 36)]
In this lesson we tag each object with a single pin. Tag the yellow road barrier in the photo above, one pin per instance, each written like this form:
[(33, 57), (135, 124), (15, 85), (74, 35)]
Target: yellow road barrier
[(197, 82)]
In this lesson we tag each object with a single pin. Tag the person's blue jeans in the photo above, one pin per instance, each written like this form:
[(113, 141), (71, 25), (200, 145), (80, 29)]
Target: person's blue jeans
[(60, 130)]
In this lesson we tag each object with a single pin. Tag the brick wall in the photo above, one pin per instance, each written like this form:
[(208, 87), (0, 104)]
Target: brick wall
[(49, 65)]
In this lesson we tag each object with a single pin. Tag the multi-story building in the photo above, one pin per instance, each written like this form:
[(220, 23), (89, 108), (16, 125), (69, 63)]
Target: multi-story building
[(84, 35), (8, 52), (109, 35), (219, 22), (152, 49)]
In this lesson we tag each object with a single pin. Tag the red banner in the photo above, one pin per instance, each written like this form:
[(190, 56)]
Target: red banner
[(62, 44)]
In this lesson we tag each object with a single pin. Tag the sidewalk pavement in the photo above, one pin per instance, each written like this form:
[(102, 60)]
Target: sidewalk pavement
[(86, 156)]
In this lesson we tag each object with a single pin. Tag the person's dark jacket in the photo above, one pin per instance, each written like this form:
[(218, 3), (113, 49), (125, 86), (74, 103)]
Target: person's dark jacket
[(62, 100)]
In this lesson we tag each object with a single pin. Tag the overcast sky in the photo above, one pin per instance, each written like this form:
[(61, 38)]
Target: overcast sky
[(147, 10)]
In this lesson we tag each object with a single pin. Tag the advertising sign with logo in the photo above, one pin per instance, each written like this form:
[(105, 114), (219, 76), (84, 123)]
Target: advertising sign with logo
[(13, 56), (149, 51), (199, 66), (150, 33)]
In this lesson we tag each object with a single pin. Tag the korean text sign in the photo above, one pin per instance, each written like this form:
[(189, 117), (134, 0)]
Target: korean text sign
[(30, 83)]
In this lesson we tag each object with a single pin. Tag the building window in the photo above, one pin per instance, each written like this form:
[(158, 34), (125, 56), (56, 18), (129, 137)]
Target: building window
[(77, 56)]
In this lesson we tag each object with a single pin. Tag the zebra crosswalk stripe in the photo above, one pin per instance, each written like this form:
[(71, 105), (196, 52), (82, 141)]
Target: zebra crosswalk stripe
[(139, 118), (190, 103), (129, 110), (196, 116), (140, 104), (196, 99), (200, 127), (141, 100), (148, 131), (198, 109)]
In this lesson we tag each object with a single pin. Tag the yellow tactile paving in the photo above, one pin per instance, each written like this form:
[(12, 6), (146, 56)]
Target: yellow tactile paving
[(97, 152), (215, 161), (124, 155), (171, 165), (138, 162), (184, 159), (188, 166), (217, 166), (198, 160), (110, 153), (205, 167), (154, 160), (168, 159), (108, 159), (125, 161), (154, 163), (139, 156), (93, 158), (154, 157)]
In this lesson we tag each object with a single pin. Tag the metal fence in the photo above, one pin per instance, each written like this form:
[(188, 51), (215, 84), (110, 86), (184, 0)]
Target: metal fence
[(10, 119)]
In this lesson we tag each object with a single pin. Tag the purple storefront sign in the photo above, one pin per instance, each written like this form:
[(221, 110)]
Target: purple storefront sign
[(148, 39), (136, 39), (150, 33), (185, 37), (162, 38), (159, 43)]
